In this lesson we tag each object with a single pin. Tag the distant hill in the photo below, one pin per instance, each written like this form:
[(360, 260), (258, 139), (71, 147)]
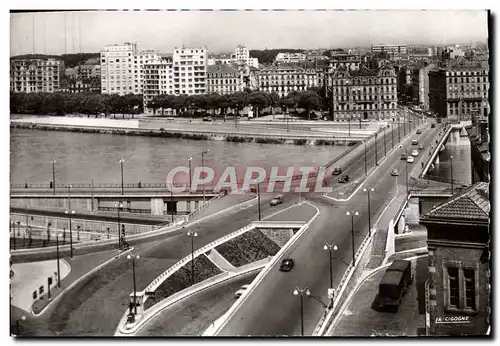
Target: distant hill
[(70, 60), (267, 56)]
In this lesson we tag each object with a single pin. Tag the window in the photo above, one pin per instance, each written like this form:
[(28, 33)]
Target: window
[(453, 286), (470, 288)]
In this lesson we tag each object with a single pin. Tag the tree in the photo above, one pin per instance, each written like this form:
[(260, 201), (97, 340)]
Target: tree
[(155, 103), (259, 100), (309, 100)]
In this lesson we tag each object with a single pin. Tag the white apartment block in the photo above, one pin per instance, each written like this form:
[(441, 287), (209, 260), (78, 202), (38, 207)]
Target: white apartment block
[(190, 70), (158, 79), (290, 58), (285, 79), (36, 75), (117, 66), (142, 58), (224, 79), (393, 50)]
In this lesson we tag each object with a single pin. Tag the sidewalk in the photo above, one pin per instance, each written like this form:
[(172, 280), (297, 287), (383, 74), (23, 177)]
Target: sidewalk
[(362, 318)]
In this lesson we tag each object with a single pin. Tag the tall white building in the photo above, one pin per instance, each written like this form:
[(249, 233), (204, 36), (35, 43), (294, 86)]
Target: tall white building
[(36, 75), (190, 70), (158, 77), (142, 58), (117, 66)]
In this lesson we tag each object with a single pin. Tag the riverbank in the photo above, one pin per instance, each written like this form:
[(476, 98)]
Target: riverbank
[(213, 134)]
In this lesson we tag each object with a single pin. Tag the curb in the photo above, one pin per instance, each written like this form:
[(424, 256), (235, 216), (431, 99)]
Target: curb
[(78, 281)]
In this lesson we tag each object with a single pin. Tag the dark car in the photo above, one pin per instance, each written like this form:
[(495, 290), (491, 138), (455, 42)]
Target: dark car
[(287, 264), (419, 132), (433, 126), (344, 179), (404, 156), (337, 171)]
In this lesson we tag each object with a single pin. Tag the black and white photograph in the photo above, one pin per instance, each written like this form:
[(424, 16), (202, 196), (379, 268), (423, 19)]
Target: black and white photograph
[(249, 173)]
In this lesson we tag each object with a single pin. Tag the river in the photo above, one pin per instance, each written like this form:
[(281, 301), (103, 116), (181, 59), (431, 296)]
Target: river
[(81, 157)]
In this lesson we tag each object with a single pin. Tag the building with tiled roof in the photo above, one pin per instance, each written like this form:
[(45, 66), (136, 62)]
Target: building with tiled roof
[(223, 79), (283, 79), (458, 240)]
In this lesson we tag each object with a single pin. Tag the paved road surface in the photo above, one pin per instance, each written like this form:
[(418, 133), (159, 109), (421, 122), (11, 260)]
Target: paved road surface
[(272, 309)]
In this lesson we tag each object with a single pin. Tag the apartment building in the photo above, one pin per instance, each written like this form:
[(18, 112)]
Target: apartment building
[(158, 79), (394, 51), (349, 61), (290, 58), (36, 75), (142, 58), (457, 91), (363, 94), (190, 70), (284, 79), (480, 155), (117, 66), (224, 79)]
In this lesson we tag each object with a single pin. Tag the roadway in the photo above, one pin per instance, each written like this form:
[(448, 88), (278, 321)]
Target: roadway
[(95, 306), (271, 309)]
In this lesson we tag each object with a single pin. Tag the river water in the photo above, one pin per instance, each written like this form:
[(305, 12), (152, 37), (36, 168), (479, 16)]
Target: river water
[(81, 157)]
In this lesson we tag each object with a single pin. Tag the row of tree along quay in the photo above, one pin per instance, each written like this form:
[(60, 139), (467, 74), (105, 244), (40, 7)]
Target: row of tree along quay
[(182, 105)]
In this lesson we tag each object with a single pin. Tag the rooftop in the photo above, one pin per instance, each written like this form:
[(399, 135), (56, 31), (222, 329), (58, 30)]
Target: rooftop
[(224, 68), (471, 204)]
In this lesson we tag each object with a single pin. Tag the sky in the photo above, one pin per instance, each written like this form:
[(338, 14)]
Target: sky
[(221, 31)]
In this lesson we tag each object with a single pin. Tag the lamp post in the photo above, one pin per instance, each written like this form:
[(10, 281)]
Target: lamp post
[(301, 291), (118, 207), (192, 235), (329, 248), (366, 163), (70, 213), (78, 232), (349, 122), (376, 159), (203, 169), (14, 235), (190, 174), (451, 159), (351, 213), (406, 169), (133, 257), (392, 133), (385, 143), (53, 176), (57, 235), (399, 129), (18, 326), (368, 190), (121, 168), (258, 199)]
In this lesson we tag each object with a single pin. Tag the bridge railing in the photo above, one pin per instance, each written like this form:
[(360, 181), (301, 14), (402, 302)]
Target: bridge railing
[(64, 187), (444, 180)]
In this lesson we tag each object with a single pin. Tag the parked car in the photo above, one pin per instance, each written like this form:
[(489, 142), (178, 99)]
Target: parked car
[(404, 156), (337, 171), (394, 172), (414, 142), (420, 147), (277, 200), (287, 264), (253, 190), (394, 284), (419, 132), (410, 159), (240, 292), (208, 119), (414, 152), (433, 126), (344, 179)]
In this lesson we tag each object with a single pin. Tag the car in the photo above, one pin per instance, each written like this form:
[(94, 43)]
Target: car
[(208, 119), (433, 126), (277, 200), (344, 179), (253, 190), (414, 152), (410, 159), (170, 118), (337, 171), (241, 291), (414, 142), (419, 132), (404, 156), (287, 264), (394, 172), (420, 147)]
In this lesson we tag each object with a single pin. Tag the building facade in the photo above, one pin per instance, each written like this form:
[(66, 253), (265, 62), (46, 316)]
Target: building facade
[(457, 92), (158, 77), (117, 64), (141, 58), (349, 61), (394, 51), (363, 94), (458, 241), (283, 79), (36, 75), (224, 79), (290, 58), (479, 138), (190, 70)]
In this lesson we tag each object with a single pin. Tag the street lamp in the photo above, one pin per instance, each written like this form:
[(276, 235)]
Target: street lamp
[(258, 199), (192, 235), (349, 122), (385, 142), (376, 159), (18, 327), (118, 207), (190, 175), (70, 213), (330, 247), (206, 151), (451, 158), (351, 213), (368, 190), (14, 235), (301, 291), (54, 176), (406, 168), (392, 133), (399, 129), (121, 167), (366, 164), (133, 257), (58, 267)]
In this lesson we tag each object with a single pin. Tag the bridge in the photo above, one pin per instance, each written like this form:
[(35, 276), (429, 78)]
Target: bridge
[(105, 197)]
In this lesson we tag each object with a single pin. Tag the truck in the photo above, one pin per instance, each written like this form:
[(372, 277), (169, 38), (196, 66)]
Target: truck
[(394, 284)]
